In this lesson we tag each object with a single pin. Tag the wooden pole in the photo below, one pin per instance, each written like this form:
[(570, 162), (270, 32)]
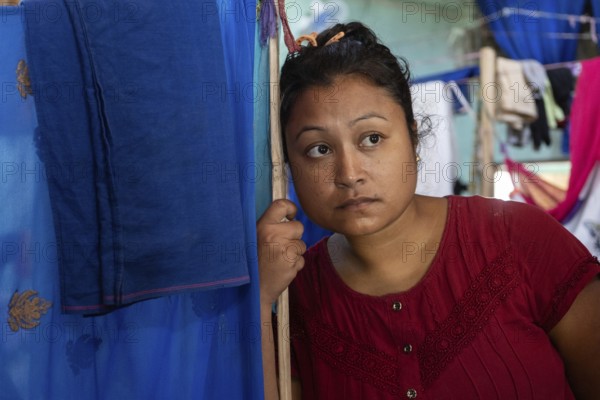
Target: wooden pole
[(279, 192), (488, 95)]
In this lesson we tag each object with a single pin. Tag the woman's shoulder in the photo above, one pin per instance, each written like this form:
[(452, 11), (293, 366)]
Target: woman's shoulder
[(490, 210), (486, 204), (499, 225)]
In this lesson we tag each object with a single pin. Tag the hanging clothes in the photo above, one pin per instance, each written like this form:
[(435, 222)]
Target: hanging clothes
[(137, 186), (540, 131), (577, 207), (461, 76), (515, 104), (438, 169), (531, 188), (585, 134), (536, 75), (584, 220), (200, 345), (562, 82)]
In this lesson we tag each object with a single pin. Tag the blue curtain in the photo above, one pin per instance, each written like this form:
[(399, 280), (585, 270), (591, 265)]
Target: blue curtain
[(312, 232), (522, 35), (262, 149), (145, 145), (198, 344)]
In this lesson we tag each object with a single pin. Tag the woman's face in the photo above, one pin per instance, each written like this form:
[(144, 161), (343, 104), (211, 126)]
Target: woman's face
[(351, 157)]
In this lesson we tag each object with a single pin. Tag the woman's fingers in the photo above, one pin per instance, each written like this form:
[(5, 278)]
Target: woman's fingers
[(280, 248), (278, 211)]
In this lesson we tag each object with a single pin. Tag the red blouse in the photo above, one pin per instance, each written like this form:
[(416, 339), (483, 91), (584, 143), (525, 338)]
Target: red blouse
[(475, 327)]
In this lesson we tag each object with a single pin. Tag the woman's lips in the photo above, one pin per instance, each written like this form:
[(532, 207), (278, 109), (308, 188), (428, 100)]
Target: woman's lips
[(357, 203)]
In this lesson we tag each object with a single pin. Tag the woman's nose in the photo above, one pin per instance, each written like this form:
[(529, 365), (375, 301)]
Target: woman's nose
[(349, 169)]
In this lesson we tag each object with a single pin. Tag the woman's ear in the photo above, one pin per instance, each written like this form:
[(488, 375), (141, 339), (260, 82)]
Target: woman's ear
[(416, 141)]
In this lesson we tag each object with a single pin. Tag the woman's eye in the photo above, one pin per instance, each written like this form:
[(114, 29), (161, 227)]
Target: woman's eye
[(318, 151), (371, 140)]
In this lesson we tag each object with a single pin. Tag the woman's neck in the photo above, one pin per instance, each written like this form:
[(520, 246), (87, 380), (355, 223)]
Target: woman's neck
[(399, 255)]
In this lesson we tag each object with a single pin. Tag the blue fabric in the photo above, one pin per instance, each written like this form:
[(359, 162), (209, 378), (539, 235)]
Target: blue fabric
[(262, 150), (200, 345), (312, 232), (525, 36), (142, 140)]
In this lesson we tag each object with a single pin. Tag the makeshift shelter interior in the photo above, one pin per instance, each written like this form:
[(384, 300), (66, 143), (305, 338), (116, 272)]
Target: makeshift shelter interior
[(88, 63), (443, 42)]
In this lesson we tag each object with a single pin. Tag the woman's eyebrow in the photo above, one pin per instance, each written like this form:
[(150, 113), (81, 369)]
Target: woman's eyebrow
[(369, 115), (366, 116), (308, 128)]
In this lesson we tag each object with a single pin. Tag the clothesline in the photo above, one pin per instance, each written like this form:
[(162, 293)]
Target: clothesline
[(571, 18), (417, 40), (508, 11), (475, 56), (559, 35)]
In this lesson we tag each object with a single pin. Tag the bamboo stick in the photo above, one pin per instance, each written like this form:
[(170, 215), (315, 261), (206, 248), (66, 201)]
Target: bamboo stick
[(488, 85), (279, 192)]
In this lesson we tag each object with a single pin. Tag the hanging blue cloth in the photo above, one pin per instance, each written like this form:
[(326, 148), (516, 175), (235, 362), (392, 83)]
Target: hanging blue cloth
[(312, 232), (139, 133), (522, 34), (200, 345)]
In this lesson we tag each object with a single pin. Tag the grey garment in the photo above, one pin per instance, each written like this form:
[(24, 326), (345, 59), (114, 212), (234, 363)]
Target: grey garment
[(518, 137), (535, 75)]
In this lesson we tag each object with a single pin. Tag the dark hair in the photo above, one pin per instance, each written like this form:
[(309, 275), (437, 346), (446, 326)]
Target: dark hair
[(359, 51)]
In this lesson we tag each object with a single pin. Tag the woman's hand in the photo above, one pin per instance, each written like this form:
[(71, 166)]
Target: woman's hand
[(280, 249)]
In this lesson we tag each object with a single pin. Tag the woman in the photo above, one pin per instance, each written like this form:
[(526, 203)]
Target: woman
[(412, 296)]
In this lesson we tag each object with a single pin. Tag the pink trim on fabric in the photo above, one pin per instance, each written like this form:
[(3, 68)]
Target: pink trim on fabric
[(182, 287)]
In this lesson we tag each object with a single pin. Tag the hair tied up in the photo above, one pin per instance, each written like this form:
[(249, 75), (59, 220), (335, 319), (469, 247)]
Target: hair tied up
[(312, 39)]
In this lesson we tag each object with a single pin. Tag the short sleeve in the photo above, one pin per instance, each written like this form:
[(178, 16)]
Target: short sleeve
[(557, 266)]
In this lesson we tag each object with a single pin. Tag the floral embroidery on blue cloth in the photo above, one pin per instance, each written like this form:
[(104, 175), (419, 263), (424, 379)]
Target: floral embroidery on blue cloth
[(23, 81), (26, 309)]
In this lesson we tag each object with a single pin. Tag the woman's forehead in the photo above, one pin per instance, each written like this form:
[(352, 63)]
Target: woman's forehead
[(348, 96)]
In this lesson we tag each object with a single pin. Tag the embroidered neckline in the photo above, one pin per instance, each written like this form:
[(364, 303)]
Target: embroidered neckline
[(469, 316)]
